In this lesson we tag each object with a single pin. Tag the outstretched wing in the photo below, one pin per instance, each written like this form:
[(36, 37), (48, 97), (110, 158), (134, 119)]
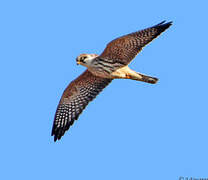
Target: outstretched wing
[(74, 99), (123, 49)]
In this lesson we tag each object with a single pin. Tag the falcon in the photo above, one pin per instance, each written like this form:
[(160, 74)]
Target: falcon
[(101, 70)]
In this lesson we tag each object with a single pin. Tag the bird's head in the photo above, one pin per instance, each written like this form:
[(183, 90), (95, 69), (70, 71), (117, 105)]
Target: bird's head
[(85, 59)]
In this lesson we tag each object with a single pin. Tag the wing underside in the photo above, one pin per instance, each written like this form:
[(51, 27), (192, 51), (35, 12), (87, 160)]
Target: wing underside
[(74, 100)]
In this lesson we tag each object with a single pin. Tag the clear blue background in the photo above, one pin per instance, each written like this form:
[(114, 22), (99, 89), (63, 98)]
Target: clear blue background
[(132, 130)]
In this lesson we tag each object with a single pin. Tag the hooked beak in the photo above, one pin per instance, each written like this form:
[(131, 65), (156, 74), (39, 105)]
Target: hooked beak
[(78, 62)]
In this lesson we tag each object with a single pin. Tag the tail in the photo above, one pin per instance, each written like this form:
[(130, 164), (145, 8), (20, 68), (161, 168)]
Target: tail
[(144, 78)]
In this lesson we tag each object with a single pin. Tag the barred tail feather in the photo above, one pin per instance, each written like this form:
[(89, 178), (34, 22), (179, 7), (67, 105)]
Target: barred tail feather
[(143, 78)]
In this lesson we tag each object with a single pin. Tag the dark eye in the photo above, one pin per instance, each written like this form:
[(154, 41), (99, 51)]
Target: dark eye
[(82, 58)]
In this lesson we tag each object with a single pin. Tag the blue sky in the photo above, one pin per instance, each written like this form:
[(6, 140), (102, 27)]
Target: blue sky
[(132, 130)]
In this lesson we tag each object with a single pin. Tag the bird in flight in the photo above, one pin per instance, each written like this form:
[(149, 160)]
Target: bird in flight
[(101, 70)]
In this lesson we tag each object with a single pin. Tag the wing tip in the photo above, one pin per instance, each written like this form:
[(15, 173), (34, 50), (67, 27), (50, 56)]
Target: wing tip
[(164, 24), (57, 135), (53, 133), (58, 132)]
